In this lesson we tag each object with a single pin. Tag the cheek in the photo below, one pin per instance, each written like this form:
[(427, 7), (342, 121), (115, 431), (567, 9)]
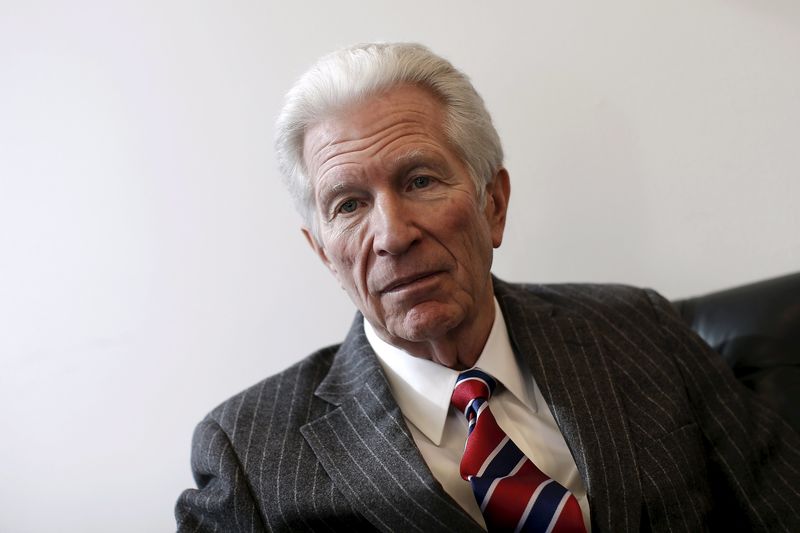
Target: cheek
[(455, 217), (471, 232), (347, 253)]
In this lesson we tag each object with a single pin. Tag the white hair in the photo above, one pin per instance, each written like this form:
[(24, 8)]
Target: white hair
[(352, 75)]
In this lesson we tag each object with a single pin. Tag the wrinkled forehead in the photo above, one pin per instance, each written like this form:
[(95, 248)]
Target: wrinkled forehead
[(400, 123)]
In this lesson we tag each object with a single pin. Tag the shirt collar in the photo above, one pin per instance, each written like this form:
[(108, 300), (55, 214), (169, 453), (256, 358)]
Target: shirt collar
[(423, 388)]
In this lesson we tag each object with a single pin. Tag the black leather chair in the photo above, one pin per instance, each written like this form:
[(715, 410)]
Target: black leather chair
[(756, 329)]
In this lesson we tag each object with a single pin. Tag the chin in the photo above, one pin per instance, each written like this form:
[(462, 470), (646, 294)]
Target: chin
[(428, 322)]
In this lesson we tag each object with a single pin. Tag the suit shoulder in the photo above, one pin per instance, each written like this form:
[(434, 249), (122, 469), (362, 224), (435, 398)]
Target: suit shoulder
[(608, 299), (573, 293), (259, 400)]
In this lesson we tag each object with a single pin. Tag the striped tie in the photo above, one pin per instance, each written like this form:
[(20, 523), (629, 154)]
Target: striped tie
[(512, 493)]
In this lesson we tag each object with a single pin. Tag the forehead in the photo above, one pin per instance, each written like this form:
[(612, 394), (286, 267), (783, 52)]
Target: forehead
[(393, 124)]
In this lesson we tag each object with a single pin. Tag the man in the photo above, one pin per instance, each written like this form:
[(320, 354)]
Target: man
[(606, 398)]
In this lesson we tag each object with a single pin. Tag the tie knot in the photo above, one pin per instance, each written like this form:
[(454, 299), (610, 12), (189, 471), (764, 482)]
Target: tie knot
[(471, 385)]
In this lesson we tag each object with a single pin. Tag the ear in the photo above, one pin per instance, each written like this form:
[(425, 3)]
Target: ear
[(318, 249), (498, 192)]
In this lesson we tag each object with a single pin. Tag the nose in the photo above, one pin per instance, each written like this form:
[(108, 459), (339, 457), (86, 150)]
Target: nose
[(394, 227)]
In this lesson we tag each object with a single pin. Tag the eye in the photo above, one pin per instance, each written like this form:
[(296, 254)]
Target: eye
[(348, 206), (420, 182)]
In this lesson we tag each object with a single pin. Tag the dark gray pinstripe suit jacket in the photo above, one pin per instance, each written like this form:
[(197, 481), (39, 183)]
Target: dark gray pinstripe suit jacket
[(664, 437)]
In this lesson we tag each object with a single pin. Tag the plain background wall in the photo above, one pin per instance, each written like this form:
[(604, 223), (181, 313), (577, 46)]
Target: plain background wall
[(151, 264)]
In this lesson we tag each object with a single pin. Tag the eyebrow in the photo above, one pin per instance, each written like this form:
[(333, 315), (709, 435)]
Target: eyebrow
[(420, 158), (416, 155)]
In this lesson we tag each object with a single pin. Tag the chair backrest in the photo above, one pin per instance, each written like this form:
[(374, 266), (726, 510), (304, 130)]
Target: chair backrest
[(756, 329)]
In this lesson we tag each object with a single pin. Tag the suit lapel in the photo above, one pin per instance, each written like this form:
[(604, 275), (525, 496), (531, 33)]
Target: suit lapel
[(366, 448), (568, 363)]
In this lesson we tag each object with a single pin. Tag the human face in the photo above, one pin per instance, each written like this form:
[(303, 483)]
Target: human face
[(400, 224)]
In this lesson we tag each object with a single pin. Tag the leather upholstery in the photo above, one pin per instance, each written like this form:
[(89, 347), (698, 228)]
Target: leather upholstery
[(756, 329)]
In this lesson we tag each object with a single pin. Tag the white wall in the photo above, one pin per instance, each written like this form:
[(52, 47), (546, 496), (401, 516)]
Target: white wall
[(151, 265)]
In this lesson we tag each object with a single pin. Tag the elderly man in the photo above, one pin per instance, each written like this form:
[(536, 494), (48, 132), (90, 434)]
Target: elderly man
[(458, 402)]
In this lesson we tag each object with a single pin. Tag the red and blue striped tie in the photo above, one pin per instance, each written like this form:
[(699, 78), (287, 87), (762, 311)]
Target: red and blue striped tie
[(512, 493)]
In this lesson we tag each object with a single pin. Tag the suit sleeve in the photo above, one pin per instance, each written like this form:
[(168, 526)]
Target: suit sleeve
[(222, 500), (754, 456)]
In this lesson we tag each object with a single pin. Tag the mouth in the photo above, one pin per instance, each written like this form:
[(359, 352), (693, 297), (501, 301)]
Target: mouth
[(407, 281)]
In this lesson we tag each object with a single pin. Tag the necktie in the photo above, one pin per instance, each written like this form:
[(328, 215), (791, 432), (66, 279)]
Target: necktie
[(512, 493)]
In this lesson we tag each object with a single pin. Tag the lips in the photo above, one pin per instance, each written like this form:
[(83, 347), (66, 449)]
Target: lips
[(401, 282)]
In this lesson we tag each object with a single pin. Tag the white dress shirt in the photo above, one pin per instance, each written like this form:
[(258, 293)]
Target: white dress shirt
[(423, 388)]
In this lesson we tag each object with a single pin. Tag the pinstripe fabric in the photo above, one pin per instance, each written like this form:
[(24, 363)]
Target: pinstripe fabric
[(664, 438)]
